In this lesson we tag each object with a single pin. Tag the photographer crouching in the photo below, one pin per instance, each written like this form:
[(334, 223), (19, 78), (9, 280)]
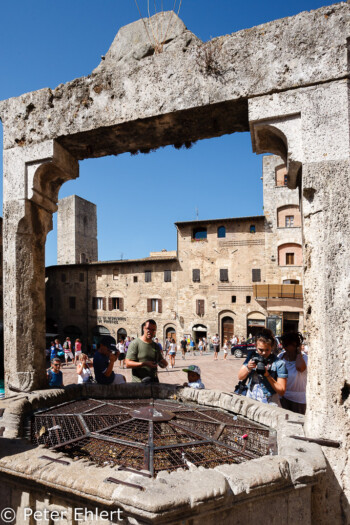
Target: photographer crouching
[(265, 374)]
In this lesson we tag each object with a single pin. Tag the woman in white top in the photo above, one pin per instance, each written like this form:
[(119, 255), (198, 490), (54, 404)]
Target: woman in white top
[(295, 360), (172, 353), (83, 369), (121, 356)]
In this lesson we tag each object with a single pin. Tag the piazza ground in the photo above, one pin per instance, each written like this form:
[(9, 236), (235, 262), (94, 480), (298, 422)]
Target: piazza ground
[(219, 375)]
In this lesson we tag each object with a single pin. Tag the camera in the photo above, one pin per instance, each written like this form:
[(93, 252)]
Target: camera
[(114, 350), (261, 363)]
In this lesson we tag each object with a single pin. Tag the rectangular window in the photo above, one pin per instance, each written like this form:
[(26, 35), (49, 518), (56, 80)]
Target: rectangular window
[(72, 303), (285, 180), (154, 305), (248, 299), (233, 299), (135, 278), (81, 277), (196, 276), (223, 275), (98, 303), (148, 276), (167, 276), (256, 275), (289, 258), (98, 274), (116, 303), (115, 274), (252, 228), (289, 221), (200, 307), (63, 277)]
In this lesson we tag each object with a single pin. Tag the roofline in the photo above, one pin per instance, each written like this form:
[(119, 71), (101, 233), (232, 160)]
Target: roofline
[(230, 219), (120, 261)]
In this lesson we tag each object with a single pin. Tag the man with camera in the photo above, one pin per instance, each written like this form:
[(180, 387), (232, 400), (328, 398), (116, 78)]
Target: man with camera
[(266, 375), (104, 360)]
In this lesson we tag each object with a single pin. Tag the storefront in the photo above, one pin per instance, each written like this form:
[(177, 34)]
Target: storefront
[(255, 322), (198, 332)]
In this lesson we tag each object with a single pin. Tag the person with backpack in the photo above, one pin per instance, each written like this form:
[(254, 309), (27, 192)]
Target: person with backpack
[(67, 348)]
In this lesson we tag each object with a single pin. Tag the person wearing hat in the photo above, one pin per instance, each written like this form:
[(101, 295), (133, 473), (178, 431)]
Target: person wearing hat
[(193, 376), (104, 360)]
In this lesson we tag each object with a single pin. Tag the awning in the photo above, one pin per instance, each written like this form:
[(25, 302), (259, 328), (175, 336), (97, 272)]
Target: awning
[(269, 291)]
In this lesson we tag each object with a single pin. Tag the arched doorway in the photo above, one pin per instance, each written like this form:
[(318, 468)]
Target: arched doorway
[(199, 331), (73, 332), (121, 334), (170, 330), (255, 322), (227, 328), (98, 332)]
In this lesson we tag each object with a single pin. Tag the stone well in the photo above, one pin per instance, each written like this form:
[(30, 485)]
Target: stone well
[(283, 485)]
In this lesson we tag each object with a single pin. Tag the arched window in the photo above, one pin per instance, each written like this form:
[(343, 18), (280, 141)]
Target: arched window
[(199, 234), (290, 254), (221, 232), (288, 216)]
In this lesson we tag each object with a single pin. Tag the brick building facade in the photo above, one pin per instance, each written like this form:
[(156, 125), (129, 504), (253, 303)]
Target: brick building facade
[(227, 276)]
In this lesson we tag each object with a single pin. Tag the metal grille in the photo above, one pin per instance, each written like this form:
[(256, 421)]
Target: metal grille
[(147, 434)]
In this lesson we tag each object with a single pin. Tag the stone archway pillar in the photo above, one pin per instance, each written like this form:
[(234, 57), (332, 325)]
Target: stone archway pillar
[(32, 179), (309, 128)]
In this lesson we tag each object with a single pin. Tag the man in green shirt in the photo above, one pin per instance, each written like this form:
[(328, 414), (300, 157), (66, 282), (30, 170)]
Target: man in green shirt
[(144, 356)]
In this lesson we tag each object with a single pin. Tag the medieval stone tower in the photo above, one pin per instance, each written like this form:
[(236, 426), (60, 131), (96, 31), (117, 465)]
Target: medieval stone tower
[(76, 231)]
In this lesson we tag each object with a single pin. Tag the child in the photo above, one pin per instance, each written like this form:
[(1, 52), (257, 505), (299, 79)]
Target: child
[(54, 374), (193, 376), (225, 347)]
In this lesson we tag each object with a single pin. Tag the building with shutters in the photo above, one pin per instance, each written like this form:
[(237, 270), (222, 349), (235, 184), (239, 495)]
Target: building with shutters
[(227, 276)]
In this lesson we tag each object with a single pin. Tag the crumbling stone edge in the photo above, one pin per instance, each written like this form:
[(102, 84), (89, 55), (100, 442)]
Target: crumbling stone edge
[(296, 465)]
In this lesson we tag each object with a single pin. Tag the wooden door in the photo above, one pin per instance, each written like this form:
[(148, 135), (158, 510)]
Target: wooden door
[(227, 329)]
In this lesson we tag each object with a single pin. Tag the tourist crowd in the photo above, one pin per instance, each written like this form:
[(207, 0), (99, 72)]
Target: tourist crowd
[(272, 373)]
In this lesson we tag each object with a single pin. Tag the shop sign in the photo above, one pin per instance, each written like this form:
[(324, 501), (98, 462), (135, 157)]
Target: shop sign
[(110, 320)]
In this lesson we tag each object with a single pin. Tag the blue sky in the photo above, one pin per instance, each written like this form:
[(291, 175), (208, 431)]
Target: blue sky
[(44, 43)]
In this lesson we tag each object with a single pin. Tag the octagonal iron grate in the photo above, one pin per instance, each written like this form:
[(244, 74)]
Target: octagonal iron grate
[(148, 434)]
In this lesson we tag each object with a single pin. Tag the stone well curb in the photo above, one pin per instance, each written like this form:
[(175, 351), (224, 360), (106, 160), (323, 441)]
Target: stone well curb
[(298, 463)]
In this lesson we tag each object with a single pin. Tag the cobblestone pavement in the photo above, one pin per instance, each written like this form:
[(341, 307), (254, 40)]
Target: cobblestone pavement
[(220, 374)]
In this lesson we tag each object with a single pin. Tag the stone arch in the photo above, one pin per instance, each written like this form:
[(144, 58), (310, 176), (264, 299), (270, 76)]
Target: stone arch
[(169, 328), (270, 139), (121, 334), (255, 322), (98, 332)]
